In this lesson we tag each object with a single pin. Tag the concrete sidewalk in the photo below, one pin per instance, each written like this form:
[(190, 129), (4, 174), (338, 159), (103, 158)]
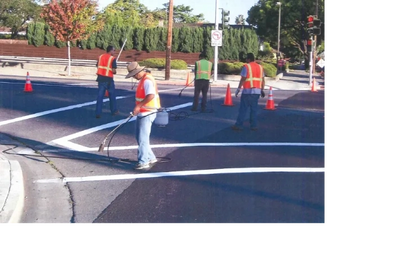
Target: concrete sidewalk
[(11, 183), (11, 174)]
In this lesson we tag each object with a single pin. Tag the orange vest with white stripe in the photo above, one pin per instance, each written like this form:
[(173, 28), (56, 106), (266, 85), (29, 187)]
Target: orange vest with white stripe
[(141, 94), (104, 66), (254, 76)]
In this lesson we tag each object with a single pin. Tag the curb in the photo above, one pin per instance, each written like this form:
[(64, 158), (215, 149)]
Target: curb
[(11, 191)]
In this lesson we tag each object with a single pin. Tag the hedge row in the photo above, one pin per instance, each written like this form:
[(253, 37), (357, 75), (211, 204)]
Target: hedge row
[(236, 42)]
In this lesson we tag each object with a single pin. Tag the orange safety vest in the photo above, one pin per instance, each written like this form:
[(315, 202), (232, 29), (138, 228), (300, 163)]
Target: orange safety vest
[(141, 94), (203, 69), (254, 76), (104, 66)]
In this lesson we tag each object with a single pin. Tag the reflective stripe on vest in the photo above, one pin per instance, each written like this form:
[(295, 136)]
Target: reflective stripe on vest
[(104, 66), (141, 94), (254, 76), (203, 69)]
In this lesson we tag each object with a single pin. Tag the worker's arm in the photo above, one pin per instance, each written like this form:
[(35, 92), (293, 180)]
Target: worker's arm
[(139, 105)]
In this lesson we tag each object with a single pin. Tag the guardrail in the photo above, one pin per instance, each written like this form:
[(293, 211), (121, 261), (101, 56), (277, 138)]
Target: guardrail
[(51, 61)]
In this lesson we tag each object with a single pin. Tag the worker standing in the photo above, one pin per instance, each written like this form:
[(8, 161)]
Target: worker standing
[(147, 102), (106, 68), (202, 72), (253, 82)]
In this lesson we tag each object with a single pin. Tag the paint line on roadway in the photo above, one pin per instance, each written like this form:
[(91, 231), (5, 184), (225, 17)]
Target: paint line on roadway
[(189, 173), (54, 111), (65, 141)]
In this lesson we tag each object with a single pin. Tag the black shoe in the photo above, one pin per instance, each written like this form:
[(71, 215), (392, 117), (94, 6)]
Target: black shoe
[(193, 110), (98, 116)]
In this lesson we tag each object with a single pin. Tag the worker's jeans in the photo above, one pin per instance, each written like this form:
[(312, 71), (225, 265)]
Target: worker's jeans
[(248, 101), (143, 130), (110, 87)]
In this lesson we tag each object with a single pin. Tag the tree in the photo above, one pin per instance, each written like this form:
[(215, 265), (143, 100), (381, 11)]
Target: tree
[(183, 14), (130, 13), (239, 20), (70, 20), (15, 14), (265, 14)]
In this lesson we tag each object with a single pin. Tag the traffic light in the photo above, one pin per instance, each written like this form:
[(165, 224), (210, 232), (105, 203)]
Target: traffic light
[(309, 45), (313, 25), (324, 31), (225, 19), (310, 25), (317, 26)]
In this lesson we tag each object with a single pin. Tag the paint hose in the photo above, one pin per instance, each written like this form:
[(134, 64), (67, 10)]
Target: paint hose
[(185, 88), (103, 144)]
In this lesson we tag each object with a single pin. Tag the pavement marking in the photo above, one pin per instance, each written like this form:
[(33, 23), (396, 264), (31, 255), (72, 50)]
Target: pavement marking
[(65, 141), (54, 111), (189, 173)]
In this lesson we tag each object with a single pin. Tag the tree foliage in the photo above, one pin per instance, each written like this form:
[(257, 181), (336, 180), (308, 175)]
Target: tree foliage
[(70, 20), (183, 14), (265, 16), (15, 14), (126, 13)]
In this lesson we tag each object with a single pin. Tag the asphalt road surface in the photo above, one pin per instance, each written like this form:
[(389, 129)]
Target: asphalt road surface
[(207, 173)]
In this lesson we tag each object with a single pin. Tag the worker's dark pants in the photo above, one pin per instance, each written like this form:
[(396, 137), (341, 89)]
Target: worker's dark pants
[(200, 85)]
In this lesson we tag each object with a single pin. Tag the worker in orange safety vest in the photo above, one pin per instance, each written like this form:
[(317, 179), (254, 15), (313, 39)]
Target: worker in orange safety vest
[(106, 69), (253, 82), (147, 104)]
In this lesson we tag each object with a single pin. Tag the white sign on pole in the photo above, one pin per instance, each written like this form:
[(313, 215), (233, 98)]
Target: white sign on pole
[(321, 63), (216, 38)]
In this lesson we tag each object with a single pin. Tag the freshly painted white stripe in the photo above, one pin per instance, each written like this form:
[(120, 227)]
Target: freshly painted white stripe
[(190, 173), (205, 144), (66, 140), (54, 111)]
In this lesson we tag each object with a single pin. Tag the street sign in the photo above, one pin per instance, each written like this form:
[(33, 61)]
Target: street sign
[(321, 63), (216, 38)]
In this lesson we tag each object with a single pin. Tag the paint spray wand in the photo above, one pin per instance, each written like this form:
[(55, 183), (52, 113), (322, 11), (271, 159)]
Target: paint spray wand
[(103, 144), (123, 45)]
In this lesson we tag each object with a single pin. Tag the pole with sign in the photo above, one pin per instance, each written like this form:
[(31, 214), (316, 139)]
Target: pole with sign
[(215, 47)]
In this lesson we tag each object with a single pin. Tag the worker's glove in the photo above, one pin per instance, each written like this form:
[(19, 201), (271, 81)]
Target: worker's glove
[(262, 94), (237, 92)]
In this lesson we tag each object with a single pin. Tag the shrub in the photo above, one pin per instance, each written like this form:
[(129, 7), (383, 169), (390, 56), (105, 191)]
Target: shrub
[(159, 63), (230, 68), (269, 69)]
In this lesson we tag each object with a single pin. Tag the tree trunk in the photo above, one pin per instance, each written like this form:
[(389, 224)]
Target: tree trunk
[(69, 58)]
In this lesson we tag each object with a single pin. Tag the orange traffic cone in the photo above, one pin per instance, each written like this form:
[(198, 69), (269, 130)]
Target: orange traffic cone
[(270, 102), (188, 79), (28, 85), (228, 97), (106, 94), (314, 86)]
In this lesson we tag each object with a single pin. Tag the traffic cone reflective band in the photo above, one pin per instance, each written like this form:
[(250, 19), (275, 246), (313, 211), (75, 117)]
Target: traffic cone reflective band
[(314, 86), (270, 102), (228, 97), (28, 85), (106, 94)]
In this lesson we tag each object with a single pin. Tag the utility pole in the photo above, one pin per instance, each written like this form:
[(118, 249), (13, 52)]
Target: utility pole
[(315, 40), (169, 40)]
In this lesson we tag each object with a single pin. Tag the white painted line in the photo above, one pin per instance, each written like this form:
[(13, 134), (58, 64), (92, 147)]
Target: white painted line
[(65, 141), (204, 144), (54, 111), (189, 173)]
